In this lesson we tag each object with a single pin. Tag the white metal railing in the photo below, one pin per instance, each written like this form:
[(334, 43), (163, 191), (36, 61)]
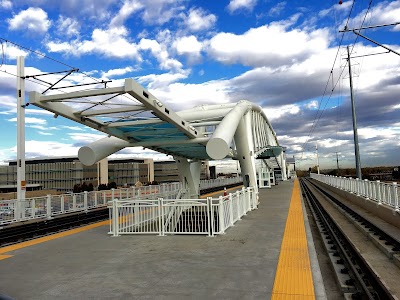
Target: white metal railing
[(51, 205), (207, 184), (380, 192), (208, 216)]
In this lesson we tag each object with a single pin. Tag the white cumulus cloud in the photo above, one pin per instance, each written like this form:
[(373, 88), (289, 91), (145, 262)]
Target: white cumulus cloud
[(31, 120), (32, 19), (189, 46), (6, 4), (67, 26), (116, 72), (198, 20), (267, 45), (235, 5)]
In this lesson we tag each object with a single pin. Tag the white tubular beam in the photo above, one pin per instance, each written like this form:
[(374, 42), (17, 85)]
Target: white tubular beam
[(245, 151), (97, 112), (151, 143), (203, 114), (83, 94), (92, 153), (134, 123), (21, 187), (218, 146), (189, 173)]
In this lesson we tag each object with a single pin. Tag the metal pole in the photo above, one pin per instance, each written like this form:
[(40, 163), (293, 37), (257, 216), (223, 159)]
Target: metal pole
[(316, 149), (21, 184), (337, 163), (353, 110)]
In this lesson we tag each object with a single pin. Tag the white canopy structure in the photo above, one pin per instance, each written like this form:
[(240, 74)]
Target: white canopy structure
[(131, 116)]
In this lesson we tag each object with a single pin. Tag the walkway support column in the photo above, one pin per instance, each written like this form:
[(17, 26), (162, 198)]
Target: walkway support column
[(283, 165), (189, 172), (245, 151)]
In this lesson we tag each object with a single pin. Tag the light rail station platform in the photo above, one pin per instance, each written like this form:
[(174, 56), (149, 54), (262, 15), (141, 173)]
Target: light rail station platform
[(269, 254)]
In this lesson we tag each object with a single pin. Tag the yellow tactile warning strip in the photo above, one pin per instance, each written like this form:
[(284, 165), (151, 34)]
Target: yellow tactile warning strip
[(293, 279), (65, 233)]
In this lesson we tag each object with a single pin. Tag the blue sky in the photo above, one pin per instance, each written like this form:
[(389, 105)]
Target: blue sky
[(276, 54)]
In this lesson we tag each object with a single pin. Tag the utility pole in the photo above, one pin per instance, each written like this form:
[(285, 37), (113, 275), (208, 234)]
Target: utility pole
[(21, 183), (316, 150), (353, 110), (337, 163)]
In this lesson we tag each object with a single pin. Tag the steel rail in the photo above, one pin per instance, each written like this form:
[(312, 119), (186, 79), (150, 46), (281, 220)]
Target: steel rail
[(367, 284)]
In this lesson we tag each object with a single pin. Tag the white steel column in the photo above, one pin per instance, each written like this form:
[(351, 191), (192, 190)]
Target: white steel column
[(21, 183), (245, 151), (283, 165), (189, 173)]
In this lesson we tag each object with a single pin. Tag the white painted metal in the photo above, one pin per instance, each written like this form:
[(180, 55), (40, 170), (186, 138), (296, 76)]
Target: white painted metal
[(380, 192), (218, 146), (264, 176), (112, 110), (245, 152), (21, 184), (181, 216), (52, 205), (282, 158), (189, 172), (221, 122), (96, 151), (219, 182)]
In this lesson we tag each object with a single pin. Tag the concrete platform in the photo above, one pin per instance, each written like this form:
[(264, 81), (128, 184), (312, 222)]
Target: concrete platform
[(93, 265)]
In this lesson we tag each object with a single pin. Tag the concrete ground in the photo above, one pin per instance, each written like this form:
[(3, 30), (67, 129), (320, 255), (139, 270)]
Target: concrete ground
[(93, 265)]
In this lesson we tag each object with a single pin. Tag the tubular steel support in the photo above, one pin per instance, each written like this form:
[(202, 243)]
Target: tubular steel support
[(353, 110), (21, 184)]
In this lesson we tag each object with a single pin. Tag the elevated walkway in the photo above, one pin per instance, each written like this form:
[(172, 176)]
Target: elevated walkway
[(240, 264)]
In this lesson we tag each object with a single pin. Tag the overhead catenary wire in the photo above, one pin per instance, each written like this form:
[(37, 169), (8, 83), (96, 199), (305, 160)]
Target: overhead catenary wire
[(37, 81), (327, 82), (48, 57), (320, 112)]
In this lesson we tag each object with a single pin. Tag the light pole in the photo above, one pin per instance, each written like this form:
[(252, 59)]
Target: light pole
[(353, 111), (21, 184), (316, 150), (337, 163)]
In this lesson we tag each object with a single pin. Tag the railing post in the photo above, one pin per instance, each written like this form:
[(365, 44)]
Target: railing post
[(95, 199), (238, 205), (112, 194), (244, 201), (48, 206), (85, 196), (161, 217), (221, 216), (62, 204), (33, 208), (231, 209), (378, 192), (395, 196), (366, 184), (211, 223), (115, 229), (74, 202), (358, 186)]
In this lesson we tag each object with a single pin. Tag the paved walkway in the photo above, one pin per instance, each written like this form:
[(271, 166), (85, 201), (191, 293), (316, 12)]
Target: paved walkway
[(93, 265)]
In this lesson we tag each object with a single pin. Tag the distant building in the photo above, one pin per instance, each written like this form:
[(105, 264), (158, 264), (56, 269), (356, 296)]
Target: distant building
[(63, 173)]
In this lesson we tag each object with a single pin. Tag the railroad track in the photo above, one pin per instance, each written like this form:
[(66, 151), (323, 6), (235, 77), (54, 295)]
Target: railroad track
[(363, 256), (13, 234)]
